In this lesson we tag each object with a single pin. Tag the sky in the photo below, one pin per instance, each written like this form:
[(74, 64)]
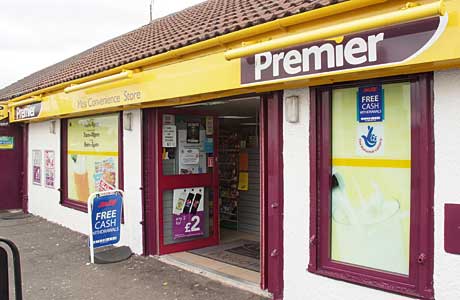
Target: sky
[(35, 34)]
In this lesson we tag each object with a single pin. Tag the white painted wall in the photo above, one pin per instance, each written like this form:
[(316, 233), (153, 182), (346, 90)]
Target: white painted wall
[(447, 177), (44, 202), (299, 284)]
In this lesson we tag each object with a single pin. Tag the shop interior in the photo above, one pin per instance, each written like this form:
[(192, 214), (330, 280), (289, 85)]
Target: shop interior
[(237, 254)]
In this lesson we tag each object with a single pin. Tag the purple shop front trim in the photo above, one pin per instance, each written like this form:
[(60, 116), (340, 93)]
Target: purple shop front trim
[(188, 225)]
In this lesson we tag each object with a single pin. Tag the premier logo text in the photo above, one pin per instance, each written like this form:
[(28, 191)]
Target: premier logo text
[(355, 52)]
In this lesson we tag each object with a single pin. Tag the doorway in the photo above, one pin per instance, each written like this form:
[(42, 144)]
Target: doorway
[(11, 160), (209, 184), (216, 157)]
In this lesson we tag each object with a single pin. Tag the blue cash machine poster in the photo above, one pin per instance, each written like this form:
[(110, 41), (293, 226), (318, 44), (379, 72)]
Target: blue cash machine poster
[(106, 220), (370, 104)]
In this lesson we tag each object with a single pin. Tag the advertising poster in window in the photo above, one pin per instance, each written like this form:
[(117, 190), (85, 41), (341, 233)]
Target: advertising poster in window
[(92, 155), (193, 133), (50, 172), (371, 177), (192, 157), (169, 136), (188, 213), (37, 167)]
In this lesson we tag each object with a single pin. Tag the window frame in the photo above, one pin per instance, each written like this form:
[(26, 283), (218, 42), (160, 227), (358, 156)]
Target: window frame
[(419, 283), (65, 200)]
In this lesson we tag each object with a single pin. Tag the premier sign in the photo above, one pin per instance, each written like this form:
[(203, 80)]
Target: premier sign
[(388, 45), (29, 111), (3, 111), (356, 52)]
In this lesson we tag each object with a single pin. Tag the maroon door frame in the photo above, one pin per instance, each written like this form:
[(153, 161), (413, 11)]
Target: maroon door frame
[(25, 175), (149, 218), (271, 134), (273, 198), (20, 131)]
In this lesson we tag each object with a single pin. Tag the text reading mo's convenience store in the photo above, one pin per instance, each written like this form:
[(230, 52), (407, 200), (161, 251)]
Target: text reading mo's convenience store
[(122, 98)]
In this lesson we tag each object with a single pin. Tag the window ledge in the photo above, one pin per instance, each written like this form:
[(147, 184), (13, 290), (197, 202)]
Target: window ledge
[(80, 206), (404, 289)]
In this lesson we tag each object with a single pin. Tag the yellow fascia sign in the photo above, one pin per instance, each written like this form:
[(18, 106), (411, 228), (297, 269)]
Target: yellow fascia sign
[(417, 39), (180, 80), (3, 111)]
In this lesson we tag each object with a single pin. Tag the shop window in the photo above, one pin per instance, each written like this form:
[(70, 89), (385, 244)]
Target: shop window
[(91, 157), (371, 221)]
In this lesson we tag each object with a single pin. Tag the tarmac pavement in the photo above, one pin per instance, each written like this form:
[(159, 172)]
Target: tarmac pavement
[(55, 265)]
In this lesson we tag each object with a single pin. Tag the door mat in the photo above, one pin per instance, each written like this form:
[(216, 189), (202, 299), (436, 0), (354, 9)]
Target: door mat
[(243, 257), (251, 249)]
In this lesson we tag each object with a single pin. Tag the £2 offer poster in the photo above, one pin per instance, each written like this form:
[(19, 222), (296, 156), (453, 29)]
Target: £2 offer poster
[(188, 213)]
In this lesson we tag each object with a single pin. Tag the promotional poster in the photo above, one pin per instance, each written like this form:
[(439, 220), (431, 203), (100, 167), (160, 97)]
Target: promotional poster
[(371, 178), (193, 133), (106, 220), (188, 212), (192, 157), (92, 155), (37, 167), (49, 168)]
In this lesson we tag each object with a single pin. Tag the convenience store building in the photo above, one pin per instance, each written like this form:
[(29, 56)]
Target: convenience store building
[(307, 148)]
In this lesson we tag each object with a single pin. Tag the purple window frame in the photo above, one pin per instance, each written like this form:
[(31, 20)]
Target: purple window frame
[(82, 206), (419, 283)]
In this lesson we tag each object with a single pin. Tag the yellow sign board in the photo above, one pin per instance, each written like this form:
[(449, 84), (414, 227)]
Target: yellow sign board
[(210, 75), (3, 111), (6, 142)]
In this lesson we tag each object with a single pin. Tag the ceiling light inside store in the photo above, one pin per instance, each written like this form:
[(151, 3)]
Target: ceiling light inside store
[(235, 117), (201, 104), (217, 102)]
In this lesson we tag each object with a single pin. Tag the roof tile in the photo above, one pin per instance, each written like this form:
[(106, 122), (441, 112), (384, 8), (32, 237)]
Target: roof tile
[(195, 24)]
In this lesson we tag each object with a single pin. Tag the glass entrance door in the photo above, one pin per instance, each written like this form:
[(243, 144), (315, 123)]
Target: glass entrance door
[(187, 181)]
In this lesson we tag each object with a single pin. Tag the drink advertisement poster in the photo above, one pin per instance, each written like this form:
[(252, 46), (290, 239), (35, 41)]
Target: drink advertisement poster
[(188, 213), (371, 180), (50, 170), (37, 167), (92, 155)]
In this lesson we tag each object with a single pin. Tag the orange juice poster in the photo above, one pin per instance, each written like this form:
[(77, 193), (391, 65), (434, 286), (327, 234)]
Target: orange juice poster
[(92, 155)]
